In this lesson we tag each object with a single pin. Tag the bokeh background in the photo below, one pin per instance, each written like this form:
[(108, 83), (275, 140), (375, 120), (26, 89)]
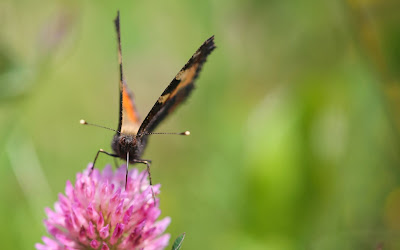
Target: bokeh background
[(295, 121)]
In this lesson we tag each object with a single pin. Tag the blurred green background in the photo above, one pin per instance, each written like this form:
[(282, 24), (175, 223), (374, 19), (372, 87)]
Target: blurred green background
[(295, 121)]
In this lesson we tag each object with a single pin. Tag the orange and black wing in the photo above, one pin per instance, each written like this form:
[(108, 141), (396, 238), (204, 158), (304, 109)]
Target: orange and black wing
[(179, 89), (129, 121)]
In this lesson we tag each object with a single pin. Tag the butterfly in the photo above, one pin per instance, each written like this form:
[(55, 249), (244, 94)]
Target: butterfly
[(132, 134)]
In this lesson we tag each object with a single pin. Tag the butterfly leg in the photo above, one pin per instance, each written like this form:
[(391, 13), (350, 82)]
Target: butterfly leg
[(97, 155), (147, 162)]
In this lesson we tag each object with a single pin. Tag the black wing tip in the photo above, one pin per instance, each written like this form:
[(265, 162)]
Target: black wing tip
[(116, 20), (208, 45), (205, 49)]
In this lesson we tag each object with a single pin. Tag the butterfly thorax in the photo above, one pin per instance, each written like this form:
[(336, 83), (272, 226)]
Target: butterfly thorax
[(122, 144)]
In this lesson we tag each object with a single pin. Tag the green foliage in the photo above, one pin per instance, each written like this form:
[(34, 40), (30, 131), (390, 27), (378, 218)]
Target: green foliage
[(178, 242)]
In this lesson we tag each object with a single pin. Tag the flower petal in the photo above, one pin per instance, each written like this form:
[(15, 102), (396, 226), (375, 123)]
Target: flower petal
[(104, 232), (98, 212)]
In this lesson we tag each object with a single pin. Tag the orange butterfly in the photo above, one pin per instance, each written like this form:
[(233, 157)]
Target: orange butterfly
[(132, 134)]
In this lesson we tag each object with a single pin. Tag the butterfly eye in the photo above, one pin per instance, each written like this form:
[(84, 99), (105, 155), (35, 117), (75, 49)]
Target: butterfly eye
[(122, 140)]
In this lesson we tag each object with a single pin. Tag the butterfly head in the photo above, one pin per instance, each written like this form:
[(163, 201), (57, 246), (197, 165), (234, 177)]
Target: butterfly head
[(124, 143)]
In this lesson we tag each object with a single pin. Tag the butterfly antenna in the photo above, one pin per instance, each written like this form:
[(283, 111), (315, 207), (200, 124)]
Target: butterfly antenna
[(83, 122), (182, 133)]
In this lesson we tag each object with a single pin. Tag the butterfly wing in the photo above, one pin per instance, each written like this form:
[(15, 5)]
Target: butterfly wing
[(129, 120), (179, 89)]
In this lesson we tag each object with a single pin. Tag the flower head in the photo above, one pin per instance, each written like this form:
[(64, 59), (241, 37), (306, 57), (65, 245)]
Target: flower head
[(99, 213)]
